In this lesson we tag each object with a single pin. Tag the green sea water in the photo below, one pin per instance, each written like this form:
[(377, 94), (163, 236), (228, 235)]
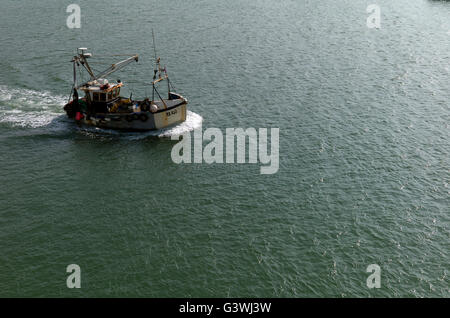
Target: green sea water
[(364, 152)]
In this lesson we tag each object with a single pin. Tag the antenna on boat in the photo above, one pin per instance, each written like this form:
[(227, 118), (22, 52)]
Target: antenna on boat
[(154, 45), (155, 70)]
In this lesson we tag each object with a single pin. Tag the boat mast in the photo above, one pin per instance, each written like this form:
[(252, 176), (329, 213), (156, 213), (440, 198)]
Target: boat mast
[(74, 73), (168, 83), (154, 45), (157, 70), (81, 57), (154, 70)]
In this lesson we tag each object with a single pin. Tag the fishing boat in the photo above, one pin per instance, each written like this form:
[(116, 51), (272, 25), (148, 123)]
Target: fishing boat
[(102, 105)]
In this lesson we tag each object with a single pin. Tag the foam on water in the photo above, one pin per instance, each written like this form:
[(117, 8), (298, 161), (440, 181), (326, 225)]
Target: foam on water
[(28, 119), (26, 97), (29, 108), (193, 121)]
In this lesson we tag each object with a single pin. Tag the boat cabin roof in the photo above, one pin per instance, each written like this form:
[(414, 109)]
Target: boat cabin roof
[(95, 86)]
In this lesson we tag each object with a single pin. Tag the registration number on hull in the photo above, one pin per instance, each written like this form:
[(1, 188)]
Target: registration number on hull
[(172, 112)]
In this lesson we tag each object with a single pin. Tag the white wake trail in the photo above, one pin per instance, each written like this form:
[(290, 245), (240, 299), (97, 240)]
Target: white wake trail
[(29, 108)]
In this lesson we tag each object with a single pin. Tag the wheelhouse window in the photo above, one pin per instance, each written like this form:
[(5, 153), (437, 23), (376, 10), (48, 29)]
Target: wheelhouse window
[(95, 97), (102, 97)]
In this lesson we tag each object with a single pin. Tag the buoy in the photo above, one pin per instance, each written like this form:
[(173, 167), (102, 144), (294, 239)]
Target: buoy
[(153, 108), (78, 116)]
